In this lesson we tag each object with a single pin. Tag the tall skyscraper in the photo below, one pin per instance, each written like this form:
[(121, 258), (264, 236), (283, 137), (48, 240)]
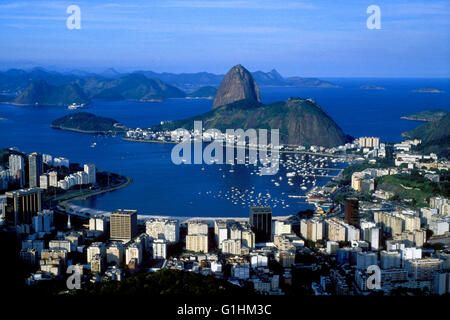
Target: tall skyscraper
[(261, 222), (22, 205), (91, 172), (123, 224), (53, 178), (17, 168), (35, 169), (352, 212)]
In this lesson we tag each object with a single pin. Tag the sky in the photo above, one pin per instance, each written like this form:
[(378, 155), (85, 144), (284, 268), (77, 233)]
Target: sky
[(322, 38)]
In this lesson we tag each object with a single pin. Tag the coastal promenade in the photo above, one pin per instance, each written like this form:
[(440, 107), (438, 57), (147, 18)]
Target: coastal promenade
[(324, 154), (64, 201)]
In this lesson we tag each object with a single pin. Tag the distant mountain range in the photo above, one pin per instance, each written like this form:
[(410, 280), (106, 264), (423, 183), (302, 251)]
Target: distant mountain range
[(135, 86), (237, 106), (43, 86), (187, 81)]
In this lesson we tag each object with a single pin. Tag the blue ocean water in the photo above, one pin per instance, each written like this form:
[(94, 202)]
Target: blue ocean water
[(160, 187)]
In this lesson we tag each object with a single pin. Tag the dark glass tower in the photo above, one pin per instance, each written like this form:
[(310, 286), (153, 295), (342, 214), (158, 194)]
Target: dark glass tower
[(261, 222), (352, 212), (35, 168)]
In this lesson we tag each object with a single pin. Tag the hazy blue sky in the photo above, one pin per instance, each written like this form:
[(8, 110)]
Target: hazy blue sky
[(307, 38)]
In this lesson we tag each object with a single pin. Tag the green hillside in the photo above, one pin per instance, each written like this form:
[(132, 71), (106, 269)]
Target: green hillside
[(301, 121), (88, 123)]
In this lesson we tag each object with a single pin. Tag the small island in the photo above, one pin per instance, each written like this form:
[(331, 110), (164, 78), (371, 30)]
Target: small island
[(428, 90), (88, 123), (371, 87), (427, 115)]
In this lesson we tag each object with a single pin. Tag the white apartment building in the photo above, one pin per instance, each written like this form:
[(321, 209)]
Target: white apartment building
[(231, 246), (91, 172), (159, 249), (133, 251)]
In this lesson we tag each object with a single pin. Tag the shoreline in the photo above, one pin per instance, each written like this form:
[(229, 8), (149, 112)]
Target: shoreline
[(90, 212), (415, 119), (241, 147), (66, 203), (84, 131)]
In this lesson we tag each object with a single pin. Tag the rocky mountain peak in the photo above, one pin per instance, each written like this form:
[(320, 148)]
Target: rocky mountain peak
[(238, 84)]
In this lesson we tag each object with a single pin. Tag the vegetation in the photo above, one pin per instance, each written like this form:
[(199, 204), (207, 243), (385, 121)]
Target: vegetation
[(11, 265), (87, 122), (439, 146), (435, 136), (301, 121), (41, 93), (204, 92), (413, 186), (135, 86), (386, 162), (427, 115), (165, 282)]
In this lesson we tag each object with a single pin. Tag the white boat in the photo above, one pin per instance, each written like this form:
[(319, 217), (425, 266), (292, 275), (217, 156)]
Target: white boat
[(290, 174), (75, 106)]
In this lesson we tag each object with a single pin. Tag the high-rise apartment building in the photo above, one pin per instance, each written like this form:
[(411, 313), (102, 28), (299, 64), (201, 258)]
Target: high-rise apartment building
[(197, 242), (17, 168), (159, 249), (22, 205), (369, 142), (197, 227), (390, 259), (231, 246), (423, 269), (96, 248), (44, 181), (133, 252), (352, 212), (220, 232), (282, 227), (389, 223), (53, 179), (91, 172), (35, 169), (248, 238), (336, 231), (123, 224), (261, 222), (168, 229), (115, 253)]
